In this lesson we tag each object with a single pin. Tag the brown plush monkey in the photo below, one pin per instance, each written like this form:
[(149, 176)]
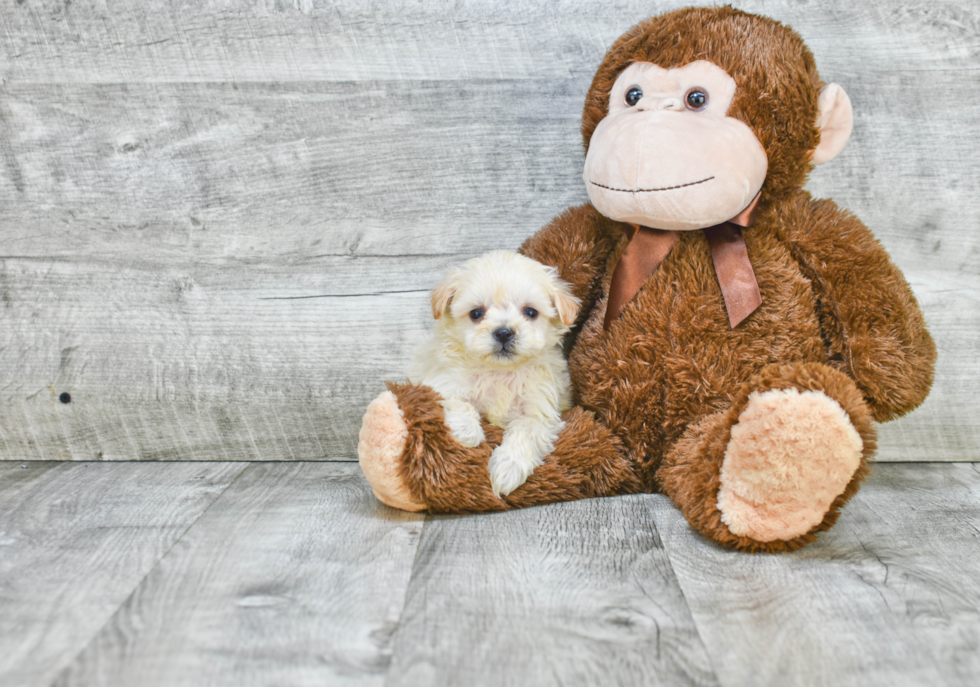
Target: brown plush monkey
[(737, 338)]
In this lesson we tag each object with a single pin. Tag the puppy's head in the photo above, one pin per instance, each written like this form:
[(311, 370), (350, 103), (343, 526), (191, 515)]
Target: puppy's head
[(503, 308)]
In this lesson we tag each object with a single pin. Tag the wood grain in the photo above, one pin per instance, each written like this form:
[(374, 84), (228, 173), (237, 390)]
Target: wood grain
[(569, 594), (168, 174), (348, 40), (76, 540), (261, 363), (889, 596), (248, 173), (307, 40), (162, 573), (296, 575)]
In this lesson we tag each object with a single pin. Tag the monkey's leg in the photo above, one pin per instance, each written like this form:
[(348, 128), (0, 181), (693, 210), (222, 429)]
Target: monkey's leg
[(413, 462), (775, 469)]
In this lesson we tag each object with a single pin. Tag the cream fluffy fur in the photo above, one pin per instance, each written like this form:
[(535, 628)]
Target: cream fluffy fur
[(519, 381)]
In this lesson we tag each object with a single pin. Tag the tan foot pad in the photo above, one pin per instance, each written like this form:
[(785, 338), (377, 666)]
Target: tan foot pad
[(790, 455), (380, 446)]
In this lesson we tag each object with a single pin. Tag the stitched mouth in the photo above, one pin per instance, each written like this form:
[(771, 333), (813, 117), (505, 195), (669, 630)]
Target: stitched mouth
[(650, 190)]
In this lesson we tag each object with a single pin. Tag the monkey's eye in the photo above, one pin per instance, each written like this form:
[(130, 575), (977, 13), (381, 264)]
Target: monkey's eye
[(696, 99), (476, 314), (530, 313), (633, 96)]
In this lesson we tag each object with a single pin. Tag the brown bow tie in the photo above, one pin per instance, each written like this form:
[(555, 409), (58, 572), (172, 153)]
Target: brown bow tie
[(648, 248)]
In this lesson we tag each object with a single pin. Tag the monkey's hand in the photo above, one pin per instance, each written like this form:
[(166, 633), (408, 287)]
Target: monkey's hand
[(576, 243), (868, 311)]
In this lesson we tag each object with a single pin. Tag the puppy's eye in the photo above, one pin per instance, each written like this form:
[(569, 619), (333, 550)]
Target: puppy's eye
[(530, 313), (476, 314), (633, 96)]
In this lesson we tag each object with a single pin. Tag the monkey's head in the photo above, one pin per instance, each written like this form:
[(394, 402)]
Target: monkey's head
[(693, 113)]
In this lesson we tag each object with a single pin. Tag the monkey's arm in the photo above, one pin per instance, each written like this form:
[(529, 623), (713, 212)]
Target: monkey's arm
[(576, 243), (868, 311)]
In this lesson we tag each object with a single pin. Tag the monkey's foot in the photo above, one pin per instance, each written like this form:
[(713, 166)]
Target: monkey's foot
[(380, 446), (791, 454), (774, 469)]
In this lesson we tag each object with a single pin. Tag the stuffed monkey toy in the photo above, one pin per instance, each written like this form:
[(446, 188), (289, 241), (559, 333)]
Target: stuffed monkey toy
[(737, 339)]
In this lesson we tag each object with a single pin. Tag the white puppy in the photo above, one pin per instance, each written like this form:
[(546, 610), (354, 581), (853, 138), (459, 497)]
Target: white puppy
[(496, 353)]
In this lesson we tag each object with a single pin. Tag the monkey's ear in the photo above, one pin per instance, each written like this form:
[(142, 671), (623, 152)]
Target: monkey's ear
[(835, 121), (442, 294), (566, 304)]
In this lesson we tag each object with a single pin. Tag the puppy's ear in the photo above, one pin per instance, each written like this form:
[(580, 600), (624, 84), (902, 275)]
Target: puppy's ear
[(565, 303), (443, 294)]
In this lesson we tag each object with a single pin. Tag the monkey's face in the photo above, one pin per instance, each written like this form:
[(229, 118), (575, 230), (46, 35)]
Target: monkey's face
[(667, 155)]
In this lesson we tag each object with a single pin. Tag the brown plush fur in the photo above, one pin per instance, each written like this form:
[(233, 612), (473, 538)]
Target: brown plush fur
[(669, 378)]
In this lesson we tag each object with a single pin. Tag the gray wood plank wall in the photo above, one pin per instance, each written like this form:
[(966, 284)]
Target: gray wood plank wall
[(218, 223)]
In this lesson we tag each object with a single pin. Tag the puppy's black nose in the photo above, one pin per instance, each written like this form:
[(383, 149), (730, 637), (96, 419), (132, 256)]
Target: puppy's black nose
[(503, 335)]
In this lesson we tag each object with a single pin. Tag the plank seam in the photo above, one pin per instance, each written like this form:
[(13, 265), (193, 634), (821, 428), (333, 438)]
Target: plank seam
[(411, 578), (340, 295), (142, 580), (680, 585)]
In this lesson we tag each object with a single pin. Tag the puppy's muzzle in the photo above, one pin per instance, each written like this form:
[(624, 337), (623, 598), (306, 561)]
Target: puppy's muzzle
[(505, 336)]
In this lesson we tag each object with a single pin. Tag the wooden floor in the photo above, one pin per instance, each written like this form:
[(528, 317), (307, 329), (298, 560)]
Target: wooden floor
[(293, 574)]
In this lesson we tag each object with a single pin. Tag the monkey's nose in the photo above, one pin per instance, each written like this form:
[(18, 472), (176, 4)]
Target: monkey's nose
[(503, 335), (653, 103)]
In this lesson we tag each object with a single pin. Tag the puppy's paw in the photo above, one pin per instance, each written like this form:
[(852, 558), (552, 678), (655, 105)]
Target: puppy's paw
[(508, 470), (465, 427)]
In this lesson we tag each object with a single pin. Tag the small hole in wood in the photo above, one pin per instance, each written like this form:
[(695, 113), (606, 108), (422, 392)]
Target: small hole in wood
[(65, 397)]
